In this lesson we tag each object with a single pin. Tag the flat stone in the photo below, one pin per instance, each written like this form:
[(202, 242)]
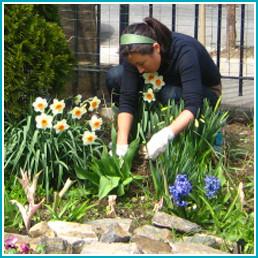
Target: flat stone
[(115, 234), (101, 225), (100, 248), (154, 233), (205, 239), (41, 229), (190, 248), (56, 245), (150, 246), (73, 232), (164, 220)]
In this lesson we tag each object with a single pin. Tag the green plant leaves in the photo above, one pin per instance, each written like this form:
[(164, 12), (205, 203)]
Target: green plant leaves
[(106, 185)]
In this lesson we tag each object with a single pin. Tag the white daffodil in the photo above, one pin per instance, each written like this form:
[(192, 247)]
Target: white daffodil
[(39, 104), (61, 126), (78, 112), (44, 121), (149, 96), (149, 77), (77, 99), (158, 83), (94, 104), (57, 107), (95, 123), (88, 137)]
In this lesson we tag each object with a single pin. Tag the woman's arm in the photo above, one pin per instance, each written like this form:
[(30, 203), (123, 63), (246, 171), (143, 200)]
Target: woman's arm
[(159, 141), (181, 122), (124, 123)]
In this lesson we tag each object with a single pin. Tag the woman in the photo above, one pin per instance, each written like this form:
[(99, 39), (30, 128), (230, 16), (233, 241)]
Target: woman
[(188, 72)]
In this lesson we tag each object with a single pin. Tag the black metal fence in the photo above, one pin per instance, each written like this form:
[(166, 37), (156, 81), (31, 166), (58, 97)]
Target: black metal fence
[(110, 20)]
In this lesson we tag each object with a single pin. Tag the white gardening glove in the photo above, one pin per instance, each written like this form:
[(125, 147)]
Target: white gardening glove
[(158, 142), (121, 150)]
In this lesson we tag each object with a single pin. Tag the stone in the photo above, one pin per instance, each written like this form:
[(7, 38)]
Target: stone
[(73, 232), (100, 248), (77, 246), (164, 220), (149, 231), (41, 229), (56, 245), (205, 239), (115, 234), (190, 248), (150, 246), (101, 225)]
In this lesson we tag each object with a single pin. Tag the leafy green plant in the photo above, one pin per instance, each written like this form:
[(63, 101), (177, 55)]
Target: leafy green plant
[(12, 218), (109, 172), (70, 210), (37, 57)]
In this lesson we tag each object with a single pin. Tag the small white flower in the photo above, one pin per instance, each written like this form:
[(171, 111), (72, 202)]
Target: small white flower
[(88, 137), (77, 99), (78, 112), (94, 104), (158, 83), (194, 207), (149, 96), (61, 126), (57, 107), (44, 121), (39, 104), (95, 123), (149, 77)]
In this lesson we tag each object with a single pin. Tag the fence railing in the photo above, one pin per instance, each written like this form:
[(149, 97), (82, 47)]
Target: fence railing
[(178, 17)]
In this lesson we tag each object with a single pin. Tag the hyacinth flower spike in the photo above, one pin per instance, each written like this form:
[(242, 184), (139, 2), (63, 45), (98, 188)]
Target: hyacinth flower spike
[(27, 211)]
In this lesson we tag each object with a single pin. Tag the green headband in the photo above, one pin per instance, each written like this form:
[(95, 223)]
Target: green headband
[(127, 39)]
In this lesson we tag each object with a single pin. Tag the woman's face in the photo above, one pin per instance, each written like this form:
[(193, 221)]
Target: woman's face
[(148, 63)]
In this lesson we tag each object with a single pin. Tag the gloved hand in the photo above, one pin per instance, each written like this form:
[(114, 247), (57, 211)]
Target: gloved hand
[(158, 142), (121, 150)]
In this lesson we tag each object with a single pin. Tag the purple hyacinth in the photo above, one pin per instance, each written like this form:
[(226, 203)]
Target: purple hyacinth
[(10, 242), (182, 187), (212, 185)]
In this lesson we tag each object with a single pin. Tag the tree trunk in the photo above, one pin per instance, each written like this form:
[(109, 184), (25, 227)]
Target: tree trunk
[(231, 27)]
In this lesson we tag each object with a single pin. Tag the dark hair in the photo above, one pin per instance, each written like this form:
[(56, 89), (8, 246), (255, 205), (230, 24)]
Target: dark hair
[(151, 28)]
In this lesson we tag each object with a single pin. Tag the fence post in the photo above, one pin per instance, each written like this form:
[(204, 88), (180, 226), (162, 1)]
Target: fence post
[(219, 35), (151, 10), (242, 32), (123, 19), (98, 10), (173, 17), (196, 20)]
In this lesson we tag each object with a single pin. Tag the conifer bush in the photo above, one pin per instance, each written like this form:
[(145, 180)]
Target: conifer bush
[(37, 58)]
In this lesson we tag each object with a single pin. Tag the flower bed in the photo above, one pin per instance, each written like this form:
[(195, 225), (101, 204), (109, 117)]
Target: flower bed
[(67, 140)]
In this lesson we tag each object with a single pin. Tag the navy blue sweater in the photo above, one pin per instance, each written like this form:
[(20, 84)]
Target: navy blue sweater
[(187, 64)]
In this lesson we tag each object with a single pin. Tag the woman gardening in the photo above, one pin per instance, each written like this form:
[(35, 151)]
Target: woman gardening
[(187, 69)]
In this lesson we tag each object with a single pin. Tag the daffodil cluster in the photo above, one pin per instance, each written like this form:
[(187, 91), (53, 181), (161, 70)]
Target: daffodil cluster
[(154, 83), (53, 117)]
